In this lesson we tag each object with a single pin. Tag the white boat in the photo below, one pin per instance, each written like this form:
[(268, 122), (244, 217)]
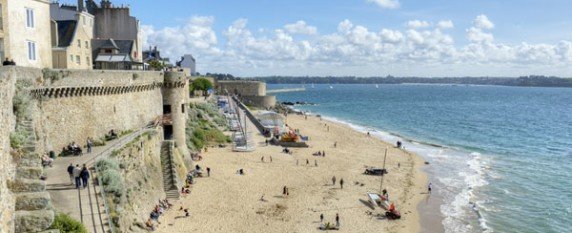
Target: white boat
[(331, 87), (376, 86), (378, 200)]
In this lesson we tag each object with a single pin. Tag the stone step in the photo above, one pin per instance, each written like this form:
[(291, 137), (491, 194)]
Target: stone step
[(27, 185), (33, 221), (32, 201), (29, 172), (36, 162)]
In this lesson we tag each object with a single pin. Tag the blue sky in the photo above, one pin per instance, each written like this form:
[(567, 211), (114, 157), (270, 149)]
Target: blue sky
[(363, 37)]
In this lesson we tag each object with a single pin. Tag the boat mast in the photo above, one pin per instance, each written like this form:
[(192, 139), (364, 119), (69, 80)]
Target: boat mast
[(383, 171)]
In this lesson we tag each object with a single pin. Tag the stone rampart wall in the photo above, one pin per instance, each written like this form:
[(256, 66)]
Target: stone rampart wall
[(260, 101), (76, 104), (242, 88), (7, 168)]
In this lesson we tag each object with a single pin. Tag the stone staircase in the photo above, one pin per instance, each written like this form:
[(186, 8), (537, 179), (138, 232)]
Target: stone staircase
[(170, 179), (34, 212)]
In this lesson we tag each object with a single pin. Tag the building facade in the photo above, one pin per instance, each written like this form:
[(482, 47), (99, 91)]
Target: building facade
[(25, 33), (189, 62), (72, 33), (116, 23)]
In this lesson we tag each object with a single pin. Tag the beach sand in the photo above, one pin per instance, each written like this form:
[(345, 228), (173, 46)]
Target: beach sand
[(227, 202)]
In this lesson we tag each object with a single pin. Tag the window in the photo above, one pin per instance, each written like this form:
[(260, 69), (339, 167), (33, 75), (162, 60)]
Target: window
[(79, 43), (71, 58), (78, 60), (31, 50), (87, 44), (30, 17)]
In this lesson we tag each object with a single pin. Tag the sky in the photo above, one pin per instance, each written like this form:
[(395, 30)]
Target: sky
[(425, 38)]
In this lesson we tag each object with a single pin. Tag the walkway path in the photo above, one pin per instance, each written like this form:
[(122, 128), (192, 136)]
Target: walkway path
[(83, 204)]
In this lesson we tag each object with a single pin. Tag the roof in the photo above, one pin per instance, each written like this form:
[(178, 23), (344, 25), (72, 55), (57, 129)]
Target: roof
[(66, 31), (113, 58), (125, 48)]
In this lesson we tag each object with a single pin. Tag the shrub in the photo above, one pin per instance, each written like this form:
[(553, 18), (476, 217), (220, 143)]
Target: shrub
[(106, 164), (17, 139), (64, 223)]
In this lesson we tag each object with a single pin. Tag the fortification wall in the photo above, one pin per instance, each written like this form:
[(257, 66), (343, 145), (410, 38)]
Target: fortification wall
[(7, 167), (242, 88), (260, 101), (76, 104)]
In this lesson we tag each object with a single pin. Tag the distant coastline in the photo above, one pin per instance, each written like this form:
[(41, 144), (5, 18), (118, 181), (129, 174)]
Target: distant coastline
[(525, 81)]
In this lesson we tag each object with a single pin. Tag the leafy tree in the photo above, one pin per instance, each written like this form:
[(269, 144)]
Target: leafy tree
[(201, 84), (156, 65)]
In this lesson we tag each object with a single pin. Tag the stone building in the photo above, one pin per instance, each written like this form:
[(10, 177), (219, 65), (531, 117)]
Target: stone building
[(72, 32), (116, 22), (25, 34), (113, 54), (188, 62)]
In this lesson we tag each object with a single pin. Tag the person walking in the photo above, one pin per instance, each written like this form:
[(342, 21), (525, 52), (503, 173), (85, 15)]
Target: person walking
[(76, 175), (84, 176), (208, 171), (429, 188), (337, 220), (333, 180), (316, 162), (70, 172), (284, 191), (321, 217), (89, 143), (262, 159), (307, 162), (271, 159), (342, 183)]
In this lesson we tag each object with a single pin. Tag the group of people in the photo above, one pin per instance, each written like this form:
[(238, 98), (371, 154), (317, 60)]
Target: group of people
[(73, 148), (341, 182), (8, 62), (320, 153), (328, 225), (79, 175), (156, 213)]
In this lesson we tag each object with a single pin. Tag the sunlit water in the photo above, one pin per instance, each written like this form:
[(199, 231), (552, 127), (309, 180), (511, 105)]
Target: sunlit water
[(501, 157)]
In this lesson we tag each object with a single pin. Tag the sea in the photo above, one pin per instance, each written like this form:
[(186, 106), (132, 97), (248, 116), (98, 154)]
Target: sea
[(500, 157)]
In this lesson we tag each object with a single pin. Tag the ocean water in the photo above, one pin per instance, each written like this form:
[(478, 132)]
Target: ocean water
[(501, 157)]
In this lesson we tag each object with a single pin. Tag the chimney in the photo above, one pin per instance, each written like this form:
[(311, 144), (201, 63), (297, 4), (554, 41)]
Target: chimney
[(80, 6)]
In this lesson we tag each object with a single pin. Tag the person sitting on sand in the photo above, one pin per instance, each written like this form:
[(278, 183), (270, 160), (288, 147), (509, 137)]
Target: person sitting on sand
[(149, 225)]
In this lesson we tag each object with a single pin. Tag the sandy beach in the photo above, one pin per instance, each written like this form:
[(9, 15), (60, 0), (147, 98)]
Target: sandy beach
[(228, 202)]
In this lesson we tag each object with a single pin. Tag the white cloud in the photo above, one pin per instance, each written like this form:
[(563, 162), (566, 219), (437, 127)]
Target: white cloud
[(195, 36), (389, 4), (477, 35), (354, 49), (418, 24), (483, 22), (300, 27), (445, 24)]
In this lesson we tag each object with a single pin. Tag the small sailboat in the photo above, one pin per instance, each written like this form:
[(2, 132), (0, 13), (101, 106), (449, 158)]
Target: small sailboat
[(331, 87), (376, 85)]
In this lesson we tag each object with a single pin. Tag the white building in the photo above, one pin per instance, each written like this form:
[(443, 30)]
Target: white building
[(25, 32)]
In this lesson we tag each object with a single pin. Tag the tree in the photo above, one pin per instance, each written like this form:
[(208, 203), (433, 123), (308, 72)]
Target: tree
[(156, 64), (201, 84)]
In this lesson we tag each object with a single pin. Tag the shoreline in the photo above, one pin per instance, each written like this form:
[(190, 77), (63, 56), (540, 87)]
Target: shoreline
[(428, 220), (229, 202)]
